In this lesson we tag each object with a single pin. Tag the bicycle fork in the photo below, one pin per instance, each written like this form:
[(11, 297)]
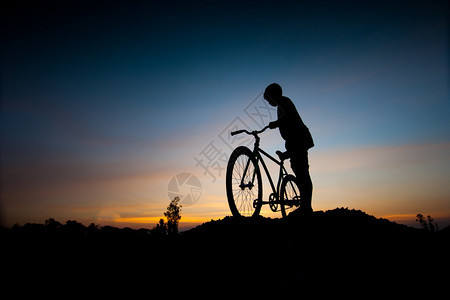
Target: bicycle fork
[(250, 183)]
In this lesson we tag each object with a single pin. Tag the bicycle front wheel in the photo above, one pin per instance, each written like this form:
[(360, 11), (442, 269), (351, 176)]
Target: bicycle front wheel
[(243, 183)]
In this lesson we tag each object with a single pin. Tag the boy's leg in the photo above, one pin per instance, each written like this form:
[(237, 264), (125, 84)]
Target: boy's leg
[(299, 164)]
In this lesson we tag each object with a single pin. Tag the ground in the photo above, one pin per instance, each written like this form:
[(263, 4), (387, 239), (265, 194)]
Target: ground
[(333, 249)]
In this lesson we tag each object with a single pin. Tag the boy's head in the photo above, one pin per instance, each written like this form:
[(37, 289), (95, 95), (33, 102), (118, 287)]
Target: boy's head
[(273, 93)]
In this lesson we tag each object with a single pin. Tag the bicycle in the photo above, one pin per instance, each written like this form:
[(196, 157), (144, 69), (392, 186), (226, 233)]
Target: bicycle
[(244, 181)]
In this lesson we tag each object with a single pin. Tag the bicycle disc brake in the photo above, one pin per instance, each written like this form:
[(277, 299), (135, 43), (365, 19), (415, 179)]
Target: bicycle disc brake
[(273, 202)]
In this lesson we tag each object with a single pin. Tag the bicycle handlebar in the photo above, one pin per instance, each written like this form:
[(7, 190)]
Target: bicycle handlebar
[(238, 132), (254, 132)]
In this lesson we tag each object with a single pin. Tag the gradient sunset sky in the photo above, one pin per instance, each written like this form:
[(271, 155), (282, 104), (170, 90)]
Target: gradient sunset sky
[(104, 102)]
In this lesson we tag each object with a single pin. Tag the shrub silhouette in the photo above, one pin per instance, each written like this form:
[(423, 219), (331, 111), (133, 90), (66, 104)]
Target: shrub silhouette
[(160, 229), (52, 225)]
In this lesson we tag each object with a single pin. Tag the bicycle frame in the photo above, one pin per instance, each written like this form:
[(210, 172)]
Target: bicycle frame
[(286, 184), (257, 153)]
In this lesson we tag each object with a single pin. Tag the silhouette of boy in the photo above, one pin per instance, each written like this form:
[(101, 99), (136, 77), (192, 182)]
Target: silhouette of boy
[(298, 141)]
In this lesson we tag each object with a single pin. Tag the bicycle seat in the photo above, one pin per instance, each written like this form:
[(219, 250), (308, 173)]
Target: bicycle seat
[(282, 155)]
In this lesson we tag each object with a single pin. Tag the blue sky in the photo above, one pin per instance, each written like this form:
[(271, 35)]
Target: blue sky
[(102, 104)]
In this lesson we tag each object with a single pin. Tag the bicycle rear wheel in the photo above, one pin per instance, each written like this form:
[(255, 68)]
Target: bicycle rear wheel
[(289, 195), (243, 183)]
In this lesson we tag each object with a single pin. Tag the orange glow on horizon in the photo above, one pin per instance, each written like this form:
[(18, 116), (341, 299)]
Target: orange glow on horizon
[(405, 217), (155, 220)]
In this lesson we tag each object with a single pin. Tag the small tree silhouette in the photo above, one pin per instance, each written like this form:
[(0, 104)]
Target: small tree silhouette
[(433, 226), (429, 224), (422, 221), (173, 215)]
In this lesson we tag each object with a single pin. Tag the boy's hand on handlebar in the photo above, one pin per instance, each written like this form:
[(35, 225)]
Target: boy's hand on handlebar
[(273, 125)]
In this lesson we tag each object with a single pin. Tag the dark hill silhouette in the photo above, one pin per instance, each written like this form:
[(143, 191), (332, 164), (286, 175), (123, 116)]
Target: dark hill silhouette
[(332, 248), (339, 219), (337, 249)]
